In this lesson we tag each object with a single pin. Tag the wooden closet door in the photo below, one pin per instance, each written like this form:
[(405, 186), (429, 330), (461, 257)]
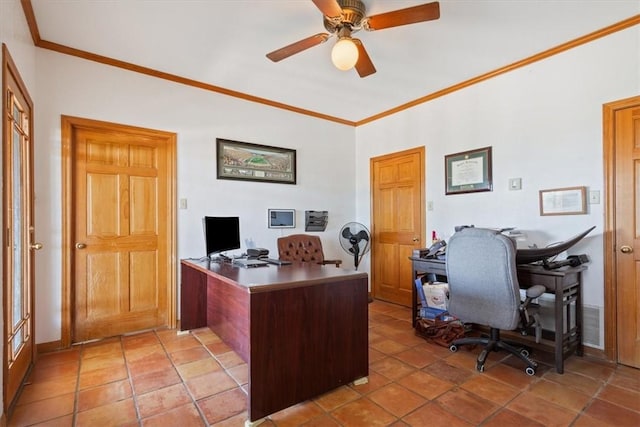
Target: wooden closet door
[(122, 205), (627, 233), (397, 185)]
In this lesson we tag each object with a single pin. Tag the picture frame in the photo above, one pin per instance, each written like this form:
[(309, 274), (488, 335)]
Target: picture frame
[(281, 218), (563, 201), (468, 171), (255, 162)]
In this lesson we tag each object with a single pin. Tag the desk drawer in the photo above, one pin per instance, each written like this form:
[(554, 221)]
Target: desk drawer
[(527, 279)]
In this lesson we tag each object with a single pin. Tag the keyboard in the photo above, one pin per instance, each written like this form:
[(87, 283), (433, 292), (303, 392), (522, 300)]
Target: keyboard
[(275, 261), (249, 263)]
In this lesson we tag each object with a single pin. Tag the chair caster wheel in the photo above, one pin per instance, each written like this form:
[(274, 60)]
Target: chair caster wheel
[(480, 367), (530, 371), (453, 348), (524, 352)]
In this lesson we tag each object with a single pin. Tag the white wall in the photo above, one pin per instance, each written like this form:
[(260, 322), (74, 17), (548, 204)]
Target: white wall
[(544, 123), (75, 87), (14, 32)]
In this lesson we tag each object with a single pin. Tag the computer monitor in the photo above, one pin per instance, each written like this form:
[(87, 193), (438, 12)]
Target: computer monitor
[(221, 233)]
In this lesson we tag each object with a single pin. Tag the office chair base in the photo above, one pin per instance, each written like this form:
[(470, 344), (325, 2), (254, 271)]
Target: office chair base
[(494, 343)]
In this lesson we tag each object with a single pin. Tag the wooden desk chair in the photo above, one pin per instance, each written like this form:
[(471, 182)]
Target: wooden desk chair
[(303, 248)]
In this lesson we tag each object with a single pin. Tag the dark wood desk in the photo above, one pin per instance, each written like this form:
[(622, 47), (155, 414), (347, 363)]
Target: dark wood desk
[(302, 329), (565, 283)]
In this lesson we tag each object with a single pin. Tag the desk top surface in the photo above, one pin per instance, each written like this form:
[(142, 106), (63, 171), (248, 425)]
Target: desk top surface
[(272, 276), (522, 268)]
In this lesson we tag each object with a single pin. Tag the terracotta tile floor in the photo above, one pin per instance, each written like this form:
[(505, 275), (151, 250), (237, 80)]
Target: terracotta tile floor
[(160, 378)]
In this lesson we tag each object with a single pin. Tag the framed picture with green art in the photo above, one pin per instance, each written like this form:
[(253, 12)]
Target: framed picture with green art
[(254, 162)]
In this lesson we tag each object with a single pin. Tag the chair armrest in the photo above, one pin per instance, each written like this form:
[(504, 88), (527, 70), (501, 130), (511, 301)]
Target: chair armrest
[(337, 262), (535, 291)]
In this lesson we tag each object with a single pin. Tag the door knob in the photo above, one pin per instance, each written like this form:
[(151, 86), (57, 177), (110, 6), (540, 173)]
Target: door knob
[(626, 249), (416, 239), (36, 246), (80, 246)]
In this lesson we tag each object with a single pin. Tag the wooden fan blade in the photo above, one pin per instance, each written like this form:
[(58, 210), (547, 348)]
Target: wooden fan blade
[(410, 15), (329, 8), (297, 47), (364, 66)]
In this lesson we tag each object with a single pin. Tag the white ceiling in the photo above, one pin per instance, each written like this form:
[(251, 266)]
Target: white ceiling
[(224, 42)]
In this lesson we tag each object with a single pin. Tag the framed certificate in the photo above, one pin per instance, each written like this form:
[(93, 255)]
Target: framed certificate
[(563, 201), (468, 171)]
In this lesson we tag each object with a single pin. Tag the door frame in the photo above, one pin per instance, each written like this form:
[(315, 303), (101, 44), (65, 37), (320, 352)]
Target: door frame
[(609, 242), (68, 126)]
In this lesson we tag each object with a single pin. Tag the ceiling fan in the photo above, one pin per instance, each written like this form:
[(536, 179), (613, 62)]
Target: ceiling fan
[(345, 17)]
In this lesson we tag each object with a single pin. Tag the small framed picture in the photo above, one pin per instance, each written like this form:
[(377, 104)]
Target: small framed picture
[(563, 201)]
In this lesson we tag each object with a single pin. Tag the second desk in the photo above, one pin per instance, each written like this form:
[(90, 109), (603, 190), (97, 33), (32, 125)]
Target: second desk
[(564, 283)]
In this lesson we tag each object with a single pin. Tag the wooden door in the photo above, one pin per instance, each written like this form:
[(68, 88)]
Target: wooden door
[(18, 231), (397, 185), (627, 233), (122, 230)]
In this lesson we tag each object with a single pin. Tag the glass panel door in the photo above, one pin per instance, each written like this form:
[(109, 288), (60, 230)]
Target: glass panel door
[(20, 326), (18, 232)]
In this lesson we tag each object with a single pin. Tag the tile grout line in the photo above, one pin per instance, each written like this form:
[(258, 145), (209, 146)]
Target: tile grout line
[(134, 395), (226, 371), (594, 396), (77, 392), (183, 380)]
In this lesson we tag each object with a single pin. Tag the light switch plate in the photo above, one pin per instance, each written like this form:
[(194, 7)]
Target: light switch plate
[(594, 197), (515, 183)]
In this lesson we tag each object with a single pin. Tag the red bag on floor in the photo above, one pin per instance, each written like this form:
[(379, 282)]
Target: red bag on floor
[(438, 331)]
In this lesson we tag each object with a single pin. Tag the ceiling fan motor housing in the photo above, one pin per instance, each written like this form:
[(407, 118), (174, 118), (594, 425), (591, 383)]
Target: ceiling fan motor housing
[(353, 11)]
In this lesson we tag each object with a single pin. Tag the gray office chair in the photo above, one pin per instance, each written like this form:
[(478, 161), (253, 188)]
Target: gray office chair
[(483, 289)]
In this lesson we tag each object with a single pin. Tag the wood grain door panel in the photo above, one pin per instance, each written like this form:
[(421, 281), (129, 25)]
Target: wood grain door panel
[(398, 222), (121, 232), (627, 214)]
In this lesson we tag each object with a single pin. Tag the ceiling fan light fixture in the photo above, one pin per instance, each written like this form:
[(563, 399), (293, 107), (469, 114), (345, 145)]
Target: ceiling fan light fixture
[(344, 54)]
